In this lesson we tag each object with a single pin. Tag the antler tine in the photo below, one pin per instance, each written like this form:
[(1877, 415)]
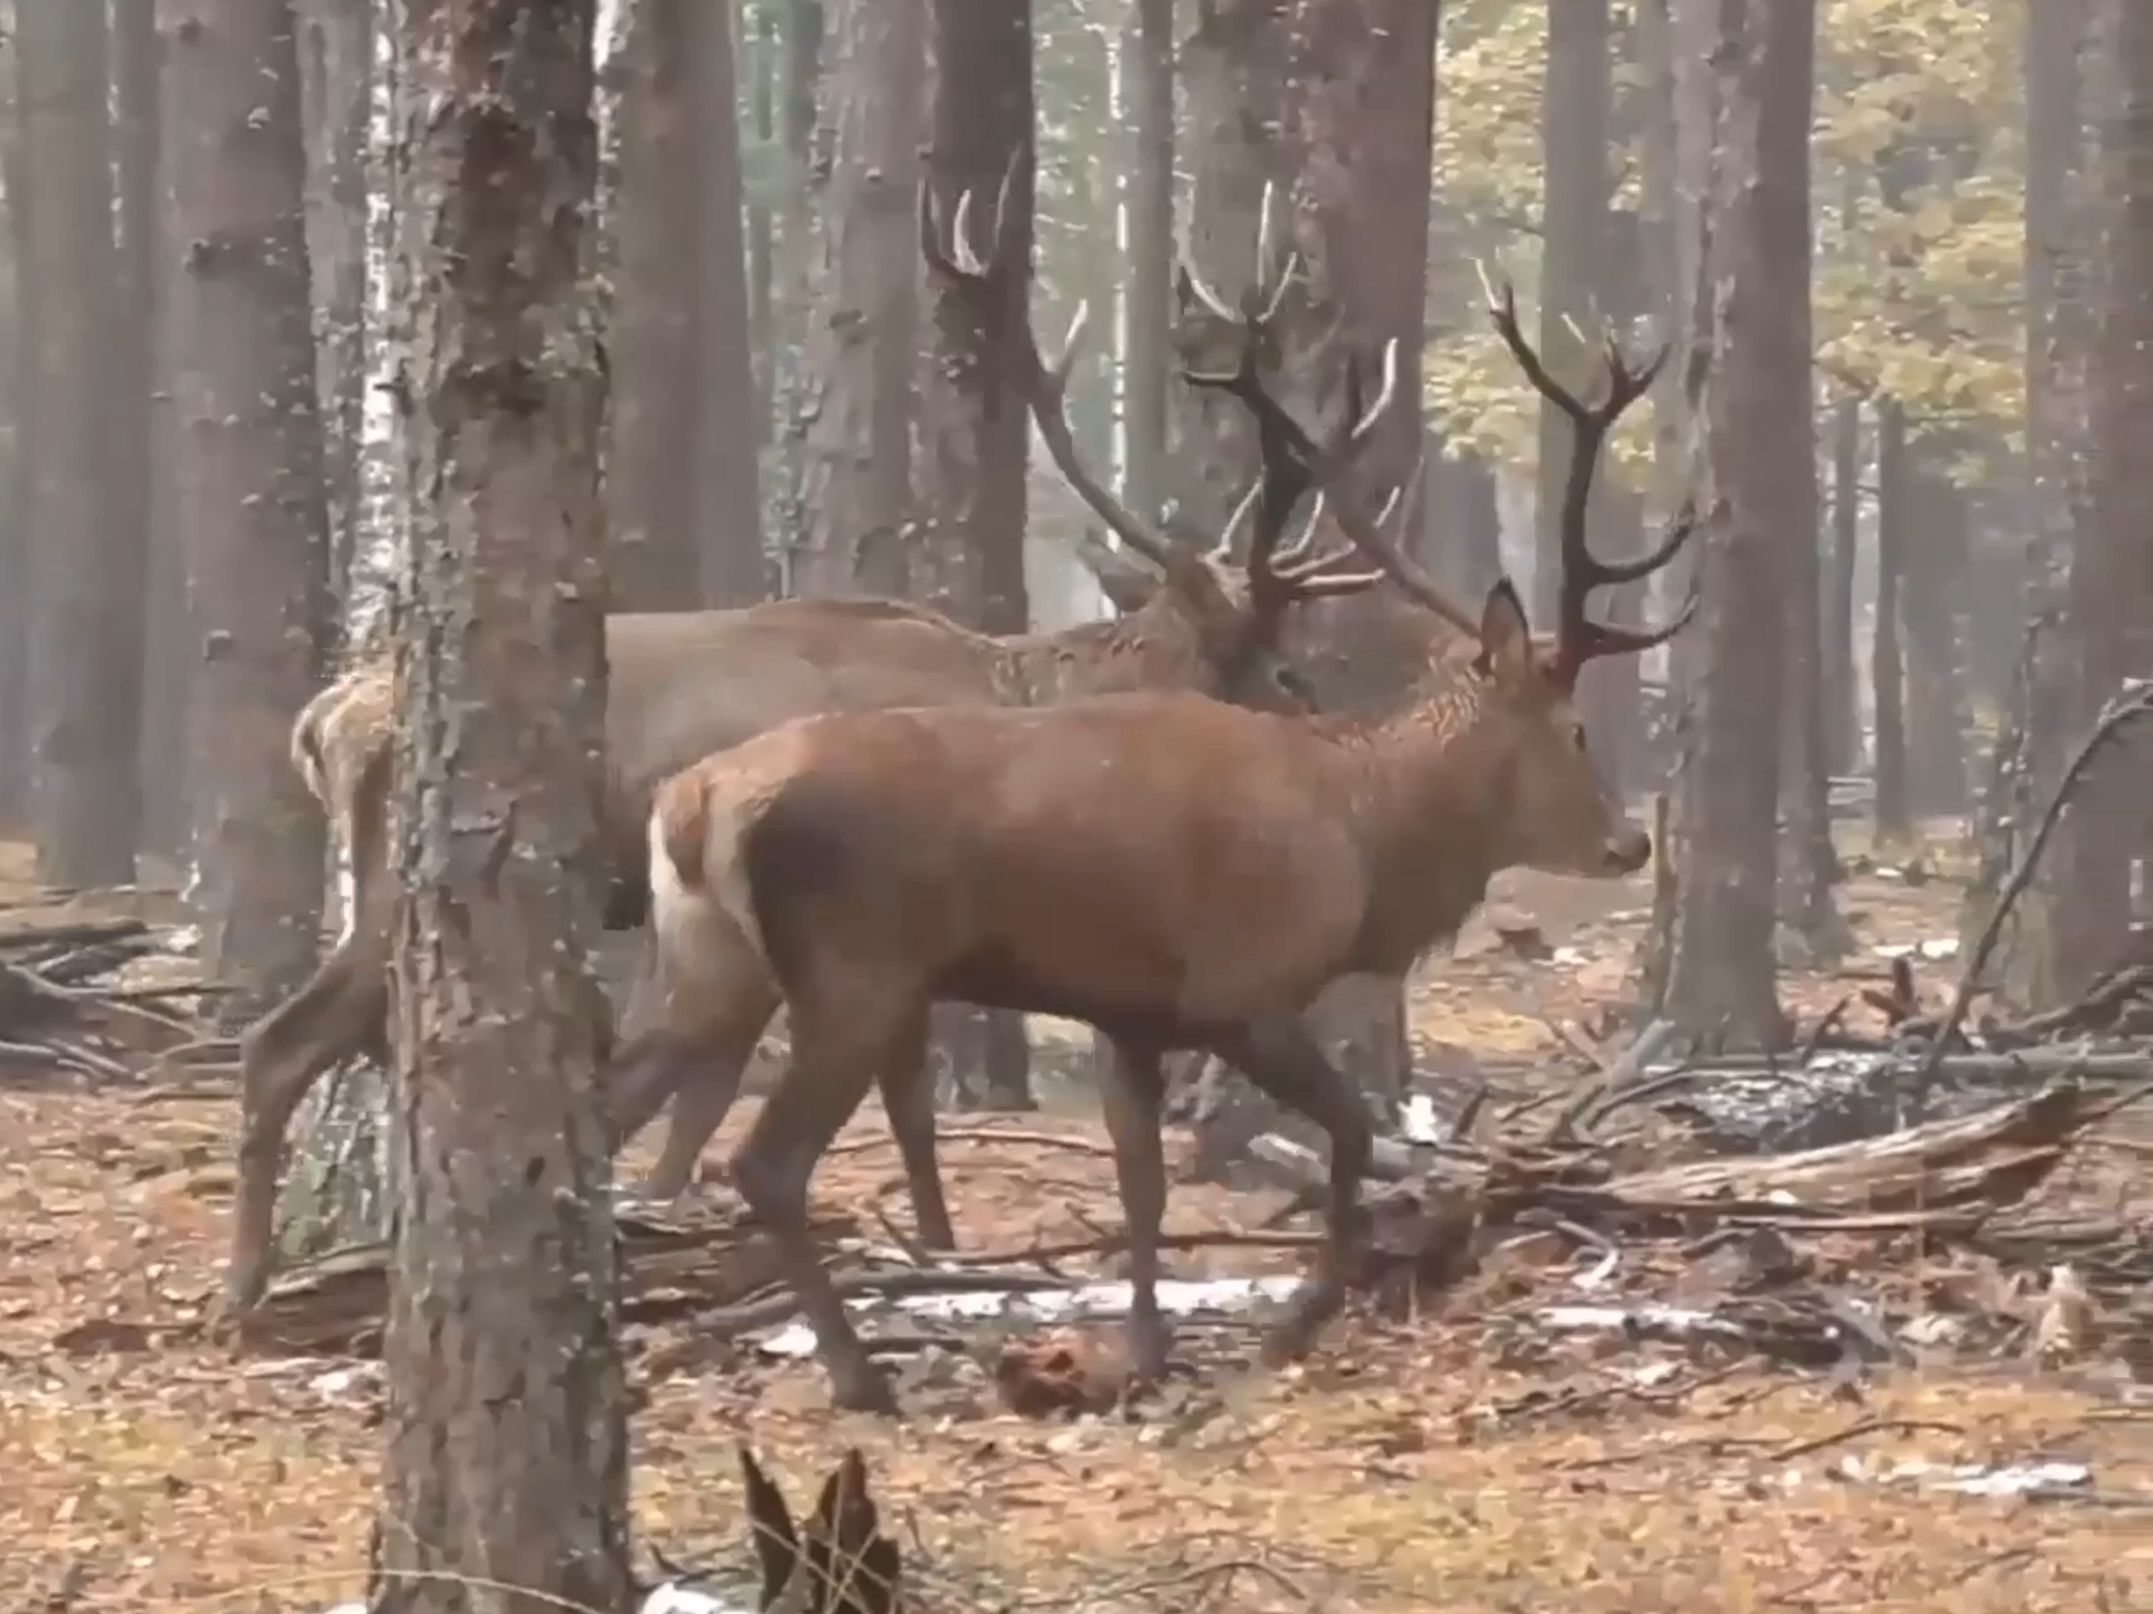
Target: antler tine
[(1578, 639), (1317, 576), (1045, 385), (1237, 522)]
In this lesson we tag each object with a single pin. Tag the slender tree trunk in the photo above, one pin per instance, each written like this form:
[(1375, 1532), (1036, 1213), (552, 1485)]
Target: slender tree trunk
[(1842, 715), (1757, 399), (17, 414), (505, 1483), (336, 70), (686, 522), (975, 432), (762, 229), (1887, 673), (1147, 61), (1234, 68), (2109, 595), (1793, 506), (256, 521), (866, 364), (1931, 610), (1364, 76), (86, 580)]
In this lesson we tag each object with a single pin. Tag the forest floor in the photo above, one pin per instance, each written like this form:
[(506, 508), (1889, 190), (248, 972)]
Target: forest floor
[(1429, 1464)]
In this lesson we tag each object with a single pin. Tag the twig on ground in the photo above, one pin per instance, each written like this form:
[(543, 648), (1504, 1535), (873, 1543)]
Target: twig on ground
[(981, 1134), (1860, 1429), (728, 1321)]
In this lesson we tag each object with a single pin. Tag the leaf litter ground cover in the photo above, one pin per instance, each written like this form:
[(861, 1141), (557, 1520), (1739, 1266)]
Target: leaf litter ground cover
[(1473, 1456)]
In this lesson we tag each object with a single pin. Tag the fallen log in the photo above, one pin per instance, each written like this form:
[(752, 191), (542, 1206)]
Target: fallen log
[(1993, 1156)]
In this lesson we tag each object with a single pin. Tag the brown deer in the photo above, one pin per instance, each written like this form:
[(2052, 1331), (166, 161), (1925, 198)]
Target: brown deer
[(689, 683), (1176, 872)]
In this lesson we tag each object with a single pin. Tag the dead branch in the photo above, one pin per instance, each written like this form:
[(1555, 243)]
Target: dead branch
[(2134, 701)]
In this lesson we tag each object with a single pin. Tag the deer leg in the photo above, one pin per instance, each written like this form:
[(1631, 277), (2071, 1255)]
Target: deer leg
[(1131, 1090), (838, 1046), (908, 1100), (1281, 1056), (343, 1010), (704, 1090)]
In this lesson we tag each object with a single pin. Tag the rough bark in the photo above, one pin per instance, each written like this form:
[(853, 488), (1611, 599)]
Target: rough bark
[(685, 518), (1147, 64), (507, 1451), (1721, 978), (85, 585), (256, 524), (2109, 594), (762, 227), (975, 433), (1894, 820), (866, 361)]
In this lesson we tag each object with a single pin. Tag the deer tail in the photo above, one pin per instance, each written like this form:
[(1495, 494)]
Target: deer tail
[(680, 828)]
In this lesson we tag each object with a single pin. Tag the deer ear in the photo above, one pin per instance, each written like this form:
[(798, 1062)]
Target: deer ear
[(1506, 643)]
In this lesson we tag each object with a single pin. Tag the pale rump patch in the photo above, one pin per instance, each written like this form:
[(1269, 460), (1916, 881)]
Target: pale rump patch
[(678, 909)]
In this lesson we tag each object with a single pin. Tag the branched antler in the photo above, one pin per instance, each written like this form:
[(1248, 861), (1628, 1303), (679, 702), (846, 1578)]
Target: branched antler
[(1578, 638)]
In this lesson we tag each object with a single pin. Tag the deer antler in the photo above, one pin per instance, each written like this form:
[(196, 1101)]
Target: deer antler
[(1294, 462), (1045, 383), (1579, 639)]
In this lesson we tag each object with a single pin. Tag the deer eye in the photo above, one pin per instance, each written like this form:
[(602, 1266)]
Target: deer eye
[(1577, 735)]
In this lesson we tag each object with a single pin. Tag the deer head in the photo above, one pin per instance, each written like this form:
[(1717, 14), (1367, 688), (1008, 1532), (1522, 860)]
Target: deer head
[(1234, 598), (1519, 695)]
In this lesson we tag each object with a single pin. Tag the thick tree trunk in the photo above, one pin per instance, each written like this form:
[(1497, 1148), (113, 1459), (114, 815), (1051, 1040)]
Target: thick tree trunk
[(2109, 595), (505, 1483), (975, 432), (256, 523), (762, 227), (1887, 674), (1721, 979), (1147, 63), (86, 580), (867, 339)]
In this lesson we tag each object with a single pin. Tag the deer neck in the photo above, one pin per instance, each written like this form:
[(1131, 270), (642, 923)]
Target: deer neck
[(1145, 650), (1431, 813)]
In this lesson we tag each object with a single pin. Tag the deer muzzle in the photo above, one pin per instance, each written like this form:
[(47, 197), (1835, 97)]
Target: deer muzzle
[(1628, 849)]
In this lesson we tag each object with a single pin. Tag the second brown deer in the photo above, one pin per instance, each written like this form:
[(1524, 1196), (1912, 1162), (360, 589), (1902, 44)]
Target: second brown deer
[(1176, 872)]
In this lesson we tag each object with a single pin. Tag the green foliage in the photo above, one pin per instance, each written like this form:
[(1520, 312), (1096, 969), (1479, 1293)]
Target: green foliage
[(1918, 176)]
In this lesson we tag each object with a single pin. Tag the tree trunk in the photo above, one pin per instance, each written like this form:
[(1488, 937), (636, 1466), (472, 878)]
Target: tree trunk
[(1842, 713), (762, 228), (1931, 592), (17, 414), (2109, 594), (686, 521), (1364, 78), (243, 358), (1894, 474), (506, 1476), (1722, 974), (1147, 62), (86, 564), (975, 432), (867, 338), (1791, 504), (1234, 70), (336, 71)]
